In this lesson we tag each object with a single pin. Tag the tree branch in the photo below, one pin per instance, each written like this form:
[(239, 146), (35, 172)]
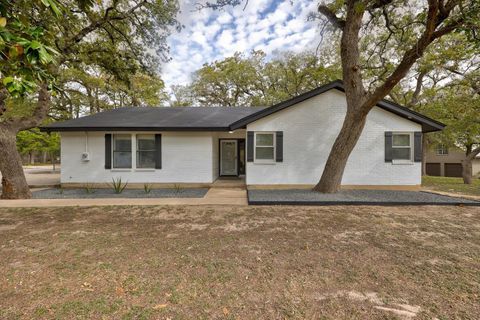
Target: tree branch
[(3, 100), (379, 4), (100, 23), (418, 89), (434, 19), (473, 153), (331, 17), (39, 113)]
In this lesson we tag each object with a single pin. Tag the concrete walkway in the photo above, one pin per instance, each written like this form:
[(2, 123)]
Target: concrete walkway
[(215, 196)]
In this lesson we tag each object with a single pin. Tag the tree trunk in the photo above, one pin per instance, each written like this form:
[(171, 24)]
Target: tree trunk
[(467, 171), (359, 101), (346, 140), (14, 183)]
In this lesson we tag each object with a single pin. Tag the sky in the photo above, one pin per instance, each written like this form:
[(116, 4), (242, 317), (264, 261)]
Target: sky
[(208, 35)]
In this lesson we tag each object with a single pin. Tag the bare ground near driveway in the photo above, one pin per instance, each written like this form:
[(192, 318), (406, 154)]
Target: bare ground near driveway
[(240, 262), (41, 176)]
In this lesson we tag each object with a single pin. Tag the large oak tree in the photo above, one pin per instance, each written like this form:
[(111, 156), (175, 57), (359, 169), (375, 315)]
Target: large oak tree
[(389, 36), (41, 39)]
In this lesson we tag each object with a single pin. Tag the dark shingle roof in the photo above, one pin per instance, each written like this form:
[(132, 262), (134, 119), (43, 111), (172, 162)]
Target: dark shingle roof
[(161, 118)]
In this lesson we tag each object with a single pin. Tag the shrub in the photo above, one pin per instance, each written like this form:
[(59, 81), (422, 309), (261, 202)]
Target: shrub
[(89, 188), (118, 186), (178, 188), (147, 188)]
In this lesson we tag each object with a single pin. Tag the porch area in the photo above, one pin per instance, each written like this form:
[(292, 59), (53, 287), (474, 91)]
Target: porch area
[(230, 182)]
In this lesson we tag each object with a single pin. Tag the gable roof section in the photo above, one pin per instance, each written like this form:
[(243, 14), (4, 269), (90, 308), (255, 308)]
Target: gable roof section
[(428, 124), (210, 118), (157, 119)]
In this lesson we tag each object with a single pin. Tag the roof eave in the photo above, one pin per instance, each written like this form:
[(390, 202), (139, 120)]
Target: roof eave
[(122, 129)]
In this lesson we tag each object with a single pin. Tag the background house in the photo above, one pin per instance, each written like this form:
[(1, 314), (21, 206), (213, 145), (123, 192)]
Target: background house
[(446, 161)]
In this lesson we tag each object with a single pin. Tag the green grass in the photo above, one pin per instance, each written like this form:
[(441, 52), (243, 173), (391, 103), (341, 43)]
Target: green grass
[(454, 185)]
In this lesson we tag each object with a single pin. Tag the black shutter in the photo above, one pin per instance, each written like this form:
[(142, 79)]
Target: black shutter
[(250, 137), (108, 151), (388, 146), (279, 147), (158, 151), (417, 144)]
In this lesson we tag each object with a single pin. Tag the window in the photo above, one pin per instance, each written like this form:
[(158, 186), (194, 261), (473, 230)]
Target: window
[(122, 151), (402, 146), (442, 150), (264, 147), (146, 151)]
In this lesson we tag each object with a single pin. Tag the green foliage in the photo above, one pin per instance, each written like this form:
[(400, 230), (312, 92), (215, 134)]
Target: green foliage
[(83, 93), (251, 80), (458, 107), (118, 186), (450, 90), (26, 44), (147, 188), (96, 54), (33, 140)]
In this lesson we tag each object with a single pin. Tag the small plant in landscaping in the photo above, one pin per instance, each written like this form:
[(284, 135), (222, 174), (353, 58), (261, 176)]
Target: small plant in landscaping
[(89, 188), (118, 186), (147, 188), (178, 188), (60, 190)]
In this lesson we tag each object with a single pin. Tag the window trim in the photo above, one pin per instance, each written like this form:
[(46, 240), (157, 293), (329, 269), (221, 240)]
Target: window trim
[(410, 146), (274, 145), (443, 148), (113, 152), (137, 150)]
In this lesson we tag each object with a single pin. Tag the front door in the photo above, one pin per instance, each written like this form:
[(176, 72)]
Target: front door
[(228, 157)]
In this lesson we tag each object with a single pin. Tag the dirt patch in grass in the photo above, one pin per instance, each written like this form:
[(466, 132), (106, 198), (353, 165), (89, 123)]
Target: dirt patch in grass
[(179, 262)]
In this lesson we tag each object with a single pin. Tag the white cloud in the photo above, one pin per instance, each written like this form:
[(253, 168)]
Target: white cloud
[(224, 18), (269, 25), (225, 39)]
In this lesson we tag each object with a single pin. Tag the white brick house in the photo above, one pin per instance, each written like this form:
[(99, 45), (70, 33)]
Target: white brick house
[(285, 145)]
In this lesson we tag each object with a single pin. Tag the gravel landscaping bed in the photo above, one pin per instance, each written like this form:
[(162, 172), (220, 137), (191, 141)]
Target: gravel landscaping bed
[(54, 193), (353, 197)]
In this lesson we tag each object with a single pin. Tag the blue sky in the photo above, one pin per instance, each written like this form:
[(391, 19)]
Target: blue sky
[(268, 25)]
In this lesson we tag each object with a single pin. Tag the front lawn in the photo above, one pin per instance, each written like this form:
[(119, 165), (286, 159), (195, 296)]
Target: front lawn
[(203, 262), (453, 185)]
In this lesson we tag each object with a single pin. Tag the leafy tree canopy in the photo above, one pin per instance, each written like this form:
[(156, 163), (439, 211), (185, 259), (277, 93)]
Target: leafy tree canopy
[(252, 80), (119, 42)]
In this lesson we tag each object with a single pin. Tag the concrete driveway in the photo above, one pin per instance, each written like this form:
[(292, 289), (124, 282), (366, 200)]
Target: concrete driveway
[(41, 176)]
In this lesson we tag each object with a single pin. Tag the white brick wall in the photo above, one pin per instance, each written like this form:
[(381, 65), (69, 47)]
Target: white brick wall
[(186, 158), (309, 130)]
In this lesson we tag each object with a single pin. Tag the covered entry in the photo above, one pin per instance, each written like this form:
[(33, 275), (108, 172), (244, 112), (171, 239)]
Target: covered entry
[(232, 157)]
